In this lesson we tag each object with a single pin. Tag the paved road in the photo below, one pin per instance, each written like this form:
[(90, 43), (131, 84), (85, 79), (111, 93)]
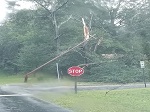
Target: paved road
[(17, 103), (21, 100), (85, 87), (23, 89)]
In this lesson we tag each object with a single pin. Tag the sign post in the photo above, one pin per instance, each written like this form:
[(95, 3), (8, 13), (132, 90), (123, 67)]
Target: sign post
[(75, 85), (143, 66), (75, 71)]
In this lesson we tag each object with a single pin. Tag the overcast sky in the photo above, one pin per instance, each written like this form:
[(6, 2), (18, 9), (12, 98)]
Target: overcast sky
[(3, 9)]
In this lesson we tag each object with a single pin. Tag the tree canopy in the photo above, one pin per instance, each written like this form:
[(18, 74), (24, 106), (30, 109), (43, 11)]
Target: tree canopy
[(31, 37)]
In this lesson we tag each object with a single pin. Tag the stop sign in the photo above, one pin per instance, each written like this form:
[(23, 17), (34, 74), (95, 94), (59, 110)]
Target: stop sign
[(75, 71)]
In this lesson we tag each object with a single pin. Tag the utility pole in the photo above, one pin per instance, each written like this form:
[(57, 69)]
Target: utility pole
[(61, 54)]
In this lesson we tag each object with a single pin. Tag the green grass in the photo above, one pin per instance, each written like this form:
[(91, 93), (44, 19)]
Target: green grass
[(131, 100), (11, 79), (34, 78)]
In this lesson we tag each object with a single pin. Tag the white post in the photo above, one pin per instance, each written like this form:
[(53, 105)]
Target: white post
[(143, 66), (58, 75)]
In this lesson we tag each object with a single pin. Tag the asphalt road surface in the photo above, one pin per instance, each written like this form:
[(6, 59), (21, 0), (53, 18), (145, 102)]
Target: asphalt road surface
[(23, 103), (18, 97)]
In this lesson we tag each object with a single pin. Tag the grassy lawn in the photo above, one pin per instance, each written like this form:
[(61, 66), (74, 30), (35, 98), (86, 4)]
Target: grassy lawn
[(38, 78), (130, 100), (10, 79)]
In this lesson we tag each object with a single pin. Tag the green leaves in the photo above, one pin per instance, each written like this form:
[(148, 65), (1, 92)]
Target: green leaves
[(30, 38)]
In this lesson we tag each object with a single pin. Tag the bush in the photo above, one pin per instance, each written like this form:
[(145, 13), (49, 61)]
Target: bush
[(40, 78), (114, 72)]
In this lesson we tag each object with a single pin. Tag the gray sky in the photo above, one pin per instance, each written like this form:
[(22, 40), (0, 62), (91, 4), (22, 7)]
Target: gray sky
[(3, 9)]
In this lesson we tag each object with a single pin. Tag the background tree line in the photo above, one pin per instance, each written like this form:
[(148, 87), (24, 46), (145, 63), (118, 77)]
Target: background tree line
[(30, 37)]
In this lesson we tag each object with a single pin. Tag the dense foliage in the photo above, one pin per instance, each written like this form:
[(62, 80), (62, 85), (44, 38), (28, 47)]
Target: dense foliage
[(31, 37)]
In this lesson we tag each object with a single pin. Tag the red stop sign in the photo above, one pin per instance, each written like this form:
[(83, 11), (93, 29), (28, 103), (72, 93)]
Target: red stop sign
[(75, 71)]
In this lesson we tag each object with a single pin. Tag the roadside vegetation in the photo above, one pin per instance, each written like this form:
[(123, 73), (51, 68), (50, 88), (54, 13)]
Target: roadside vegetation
[(10, 79), (7, 78), (31, 37), (129, 100)]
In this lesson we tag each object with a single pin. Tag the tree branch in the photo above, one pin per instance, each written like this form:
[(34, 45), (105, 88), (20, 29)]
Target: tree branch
[(90, 24), (82, 55), (43, 6), (118, 6), (98, 43), (48, 9), (64, 21), (58, 36), (62, 5), (87, 64), (113, 89)]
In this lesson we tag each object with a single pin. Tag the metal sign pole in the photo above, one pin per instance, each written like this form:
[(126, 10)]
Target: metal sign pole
[(75, 72), (75, 85), (144, 77), (142, 63)]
